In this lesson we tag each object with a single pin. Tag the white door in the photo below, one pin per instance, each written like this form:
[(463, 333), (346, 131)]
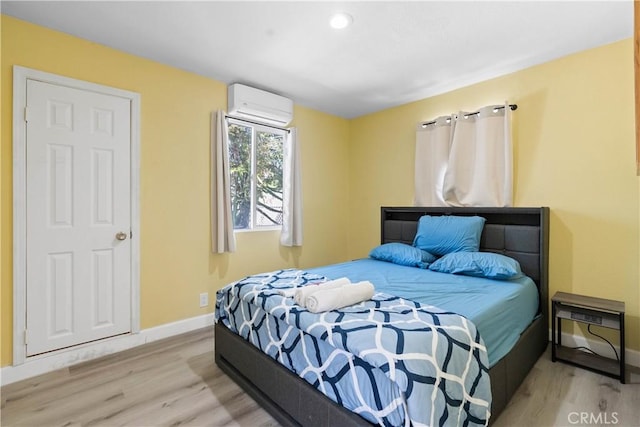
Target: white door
[(78, 222)]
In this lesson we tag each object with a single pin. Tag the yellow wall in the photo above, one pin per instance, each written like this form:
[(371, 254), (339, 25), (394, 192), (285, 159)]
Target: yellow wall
[(176, 264), (574, 151)]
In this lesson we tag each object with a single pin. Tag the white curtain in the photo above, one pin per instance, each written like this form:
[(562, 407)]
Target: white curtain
[(478, 170), (291, 234), (222, 236), (432, 155), (481, 161)]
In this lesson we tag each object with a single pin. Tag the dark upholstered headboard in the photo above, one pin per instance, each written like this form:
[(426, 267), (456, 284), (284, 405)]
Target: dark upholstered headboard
[(520, 233)]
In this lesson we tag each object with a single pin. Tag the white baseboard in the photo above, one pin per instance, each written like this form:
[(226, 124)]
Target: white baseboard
[(42, 364), (50, 362), (632, 357)]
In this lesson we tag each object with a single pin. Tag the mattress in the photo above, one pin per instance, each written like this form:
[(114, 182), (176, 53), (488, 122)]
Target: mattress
[(500, 309)]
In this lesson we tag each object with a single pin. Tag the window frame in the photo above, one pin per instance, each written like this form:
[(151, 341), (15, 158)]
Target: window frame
[(255, 128)]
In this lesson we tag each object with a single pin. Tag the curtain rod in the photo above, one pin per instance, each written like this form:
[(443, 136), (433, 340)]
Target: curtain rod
[(257, 123), (512, 107)]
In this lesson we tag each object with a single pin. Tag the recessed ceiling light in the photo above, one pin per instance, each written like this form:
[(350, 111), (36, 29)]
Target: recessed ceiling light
[(340, 20)]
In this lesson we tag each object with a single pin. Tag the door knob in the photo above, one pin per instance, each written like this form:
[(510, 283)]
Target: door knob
[(121, 235)]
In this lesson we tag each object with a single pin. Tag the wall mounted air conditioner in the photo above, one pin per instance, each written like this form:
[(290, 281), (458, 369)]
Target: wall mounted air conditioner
[(258, 105)]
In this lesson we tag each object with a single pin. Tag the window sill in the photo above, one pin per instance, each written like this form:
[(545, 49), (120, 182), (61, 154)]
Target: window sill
[(253, 230)]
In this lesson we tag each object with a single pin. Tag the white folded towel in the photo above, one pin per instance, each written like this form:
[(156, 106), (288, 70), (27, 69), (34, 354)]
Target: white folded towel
[(303, 292), (288, 293), (332, 299)]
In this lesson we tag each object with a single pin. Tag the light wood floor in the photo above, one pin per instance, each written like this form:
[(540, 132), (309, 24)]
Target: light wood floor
[(176, 382)]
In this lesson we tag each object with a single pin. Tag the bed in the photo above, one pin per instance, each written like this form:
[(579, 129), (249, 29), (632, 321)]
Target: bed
[(520, 233)]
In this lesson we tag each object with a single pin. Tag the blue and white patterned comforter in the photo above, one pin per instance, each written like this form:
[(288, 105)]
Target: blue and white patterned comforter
[(389, 359)]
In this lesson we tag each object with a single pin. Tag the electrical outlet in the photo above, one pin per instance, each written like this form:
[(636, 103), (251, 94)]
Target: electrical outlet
[(204, 299)]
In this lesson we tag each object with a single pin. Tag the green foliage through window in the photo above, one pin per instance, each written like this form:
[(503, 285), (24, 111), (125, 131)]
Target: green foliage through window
[(255, 159)]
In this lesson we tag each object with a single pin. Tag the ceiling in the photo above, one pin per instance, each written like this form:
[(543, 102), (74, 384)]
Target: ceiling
[(393, 53)]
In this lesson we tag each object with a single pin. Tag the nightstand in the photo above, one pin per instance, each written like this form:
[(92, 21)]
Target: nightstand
[(594, 311)]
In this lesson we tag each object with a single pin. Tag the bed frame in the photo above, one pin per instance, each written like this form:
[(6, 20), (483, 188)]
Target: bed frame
[(520, 233)]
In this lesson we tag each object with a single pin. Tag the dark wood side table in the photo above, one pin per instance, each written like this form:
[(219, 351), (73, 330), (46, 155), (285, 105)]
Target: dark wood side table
[(595, 311)]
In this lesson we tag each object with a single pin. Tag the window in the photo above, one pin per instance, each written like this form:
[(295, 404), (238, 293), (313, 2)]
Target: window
[(255, 161)]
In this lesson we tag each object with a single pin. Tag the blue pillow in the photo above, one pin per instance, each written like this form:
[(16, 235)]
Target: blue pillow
[(441, 235), (478, 264), (403, 254)]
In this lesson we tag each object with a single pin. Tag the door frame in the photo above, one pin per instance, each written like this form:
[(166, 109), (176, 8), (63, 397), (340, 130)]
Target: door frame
[(20, 77)]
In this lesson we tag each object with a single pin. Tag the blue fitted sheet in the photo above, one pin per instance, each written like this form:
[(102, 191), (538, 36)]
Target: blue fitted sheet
[(500, 309)]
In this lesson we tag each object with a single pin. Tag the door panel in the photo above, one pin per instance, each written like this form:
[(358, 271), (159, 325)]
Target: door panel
[(78, 199)]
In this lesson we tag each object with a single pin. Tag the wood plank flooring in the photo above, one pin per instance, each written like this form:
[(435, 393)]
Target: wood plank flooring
[(176, 382)]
